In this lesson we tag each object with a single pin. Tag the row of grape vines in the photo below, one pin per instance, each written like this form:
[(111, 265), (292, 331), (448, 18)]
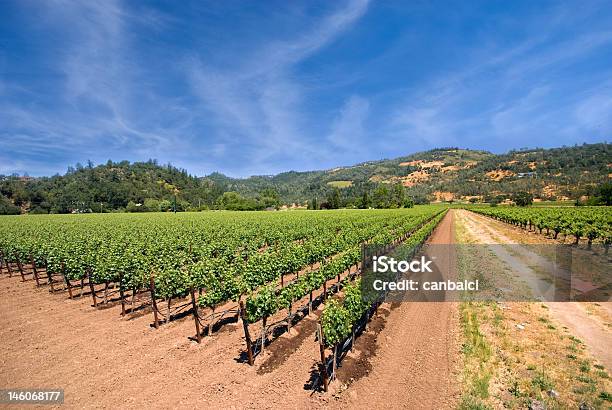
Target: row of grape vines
[(591, 223), (341, 317), (222, 254)]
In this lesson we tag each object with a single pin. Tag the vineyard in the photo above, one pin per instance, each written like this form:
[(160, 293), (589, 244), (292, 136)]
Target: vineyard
[(591, 223), (267, 268)]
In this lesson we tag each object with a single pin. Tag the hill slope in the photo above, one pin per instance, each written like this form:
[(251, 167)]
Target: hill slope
[(451, 172), (440, 174)]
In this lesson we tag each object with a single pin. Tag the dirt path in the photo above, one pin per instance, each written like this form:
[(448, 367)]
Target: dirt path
[(593, 329), (417, 360), (103, 361)]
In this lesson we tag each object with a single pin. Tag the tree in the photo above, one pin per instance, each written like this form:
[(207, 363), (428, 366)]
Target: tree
[(235, 202), (313, 204), (365, 200), (333, 199), (381, 197), (522, 198), (602, 195), (397, 196), (270, 199), (7, 208)]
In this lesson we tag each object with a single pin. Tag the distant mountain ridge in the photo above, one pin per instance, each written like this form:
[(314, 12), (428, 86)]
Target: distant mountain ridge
[(447, 173), (437, 175)]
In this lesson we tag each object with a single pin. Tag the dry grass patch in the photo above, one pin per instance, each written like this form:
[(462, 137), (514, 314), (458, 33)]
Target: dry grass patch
[(515, 355)]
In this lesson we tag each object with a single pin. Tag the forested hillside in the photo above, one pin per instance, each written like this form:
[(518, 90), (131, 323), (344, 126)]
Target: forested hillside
[(437, 175)]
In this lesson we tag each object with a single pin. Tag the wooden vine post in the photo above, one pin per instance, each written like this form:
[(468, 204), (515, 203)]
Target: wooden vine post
[(4, 260), (34, 270), (247, 336), (289, 318), (66, 280), (210, 324), (121, 294), (8, 266), (323, 364), (49, 278), (91, 288), (310, 303), (169, 301), (263, 333), (20, 266), (196, 319), (153, 302)]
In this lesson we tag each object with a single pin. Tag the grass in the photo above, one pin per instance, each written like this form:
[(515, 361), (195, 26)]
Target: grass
[(477, 353), (572, 348), (585, 379), (584, 367), (575, 339), (542, 382), (554, 203), (605, 396), (471, 403), (585, 389), (340, 184), (506, 368)]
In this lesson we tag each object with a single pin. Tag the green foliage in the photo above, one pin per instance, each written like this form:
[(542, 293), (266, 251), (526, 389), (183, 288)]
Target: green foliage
[(313, 204), (592, 222), (605, 396), (262, 304), (572, 171), (333, 199), (233, 201), (335, 323), (542, 382), (7, 208), (522, 198), (338, 318), (601, 196)]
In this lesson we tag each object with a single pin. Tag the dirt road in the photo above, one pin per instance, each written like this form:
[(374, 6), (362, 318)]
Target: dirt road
[(588, 322), (104, 361), (418, 358)]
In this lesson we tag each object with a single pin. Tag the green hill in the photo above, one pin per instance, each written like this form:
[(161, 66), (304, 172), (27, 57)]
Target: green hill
[(567, 172), (436, 175)]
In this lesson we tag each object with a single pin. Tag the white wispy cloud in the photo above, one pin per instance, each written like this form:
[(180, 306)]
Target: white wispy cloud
[(509, 94), (349, 131), (260, 100), (101, 100)]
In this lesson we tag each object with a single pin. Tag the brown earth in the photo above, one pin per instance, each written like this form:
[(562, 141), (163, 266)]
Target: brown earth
[(411, 355), (417, 360), (499, 174)]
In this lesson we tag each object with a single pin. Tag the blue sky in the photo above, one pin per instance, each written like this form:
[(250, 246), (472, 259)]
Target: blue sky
[(261, 87)]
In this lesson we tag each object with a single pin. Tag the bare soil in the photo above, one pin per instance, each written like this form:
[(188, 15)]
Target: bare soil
[(417, 354), (409, 358)]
